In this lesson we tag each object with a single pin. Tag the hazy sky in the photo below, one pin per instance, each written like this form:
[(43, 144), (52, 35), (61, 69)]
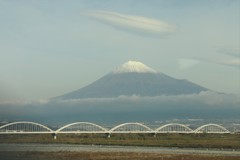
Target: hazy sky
[(51, 47)]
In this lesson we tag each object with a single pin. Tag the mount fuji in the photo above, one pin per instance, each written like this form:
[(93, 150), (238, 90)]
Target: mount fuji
[(134, 78)]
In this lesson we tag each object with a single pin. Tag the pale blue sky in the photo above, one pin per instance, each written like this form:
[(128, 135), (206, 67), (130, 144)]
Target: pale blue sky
[(51, 47)]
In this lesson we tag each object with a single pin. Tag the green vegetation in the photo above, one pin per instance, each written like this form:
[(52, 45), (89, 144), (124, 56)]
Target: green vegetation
[(230, 141)]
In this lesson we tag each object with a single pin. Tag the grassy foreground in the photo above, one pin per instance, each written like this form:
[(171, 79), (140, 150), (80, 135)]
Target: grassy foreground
[(228, 141), (108, 156)]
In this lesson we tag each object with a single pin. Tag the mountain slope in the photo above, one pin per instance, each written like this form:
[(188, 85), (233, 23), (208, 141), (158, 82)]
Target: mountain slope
[(134, 78)]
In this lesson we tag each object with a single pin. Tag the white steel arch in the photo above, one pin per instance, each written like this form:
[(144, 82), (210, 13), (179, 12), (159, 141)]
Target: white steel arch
[(174, 128), (131, 128), (82, 127), (25, 127), (211, 128), (87, 127)]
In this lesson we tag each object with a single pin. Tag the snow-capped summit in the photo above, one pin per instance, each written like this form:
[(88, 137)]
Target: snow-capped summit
[(134, 66)]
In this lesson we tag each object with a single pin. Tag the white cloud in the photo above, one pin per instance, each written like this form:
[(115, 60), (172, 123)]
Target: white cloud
[(230, 50), (186, 63), (23, 102), (208, 98), (205, 97), (233, 52), (233, 63), (133, 24), (230, 56), (204, 104)]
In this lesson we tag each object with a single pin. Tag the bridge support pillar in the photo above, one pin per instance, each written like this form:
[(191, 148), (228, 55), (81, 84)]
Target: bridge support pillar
[(54, 135), (154, 135), (108, 135)]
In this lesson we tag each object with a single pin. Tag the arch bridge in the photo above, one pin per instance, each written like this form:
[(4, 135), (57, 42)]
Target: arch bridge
[(81, 127), (25, 127), (174, 128), (131, 128), (211, 128)]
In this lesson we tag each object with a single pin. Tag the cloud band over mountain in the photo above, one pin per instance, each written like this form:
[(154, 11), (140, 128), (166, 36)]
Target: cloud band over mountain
[(126, 108)]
